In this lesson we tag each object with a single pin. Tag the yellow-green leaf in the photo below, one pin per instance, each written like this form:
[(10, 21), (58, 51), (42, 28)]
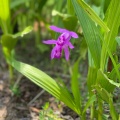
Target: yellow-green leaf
[(4, 9)]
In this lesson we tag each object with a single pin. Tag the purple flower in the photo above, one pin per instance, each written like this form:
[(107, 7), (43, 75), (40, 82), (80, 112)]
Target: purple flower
[(62, 43)]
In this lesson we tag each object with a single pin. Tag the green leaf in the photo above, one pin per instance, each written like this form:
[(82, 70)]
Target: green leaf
[(4, 9), (70, 8), (91, 79), (75, 86), (108, 98), (113, 75), (25, 31), (57, 21), (119, 117), (114, 83), (104, 81), (90, 31), (89, 103), (106, 4), (112, 59), (8, 41), (5, 16), (93, 15), (96, 2), (118, 40), (15, 3), (46, 82), (102, 93), (112, 19), (83, 49), (70, 22), (113, 112)]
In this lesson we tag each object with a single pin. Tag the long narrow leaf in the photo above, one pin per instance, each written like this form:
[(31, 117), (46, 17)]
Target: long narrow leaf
[(112, 19), (113, 112), (91, 79), (89, 102), (90, 31), (4, 9), (44, 81), (75, 86), (70, 8), (93, 15)]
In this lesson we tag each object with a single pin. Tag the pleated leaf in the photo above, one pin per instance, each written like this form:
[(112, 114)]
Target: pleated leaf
[(112, 19), (90, 31), (75, 85), (91, 79), (44, 81), (102, 93), (93, 15), (104, 81)]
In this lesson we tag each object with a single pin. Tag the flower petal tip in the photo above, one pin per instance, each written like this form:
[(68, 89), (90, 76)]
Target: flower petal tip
[(74, 35), (51, 26), (49, 41), (67, 59), (43, 41)]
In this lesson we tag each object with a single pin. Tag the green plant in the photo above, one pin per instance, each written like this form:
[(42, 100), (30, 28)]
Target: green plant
[(47, 113), (101, 37)]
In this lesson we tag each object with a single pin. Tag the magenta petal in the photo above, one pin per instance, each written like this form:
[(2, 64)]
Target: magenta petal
[(70, 45), (56, 29), (67, 53), (66, 35), (53, 52), (50, 42), (73, 34)]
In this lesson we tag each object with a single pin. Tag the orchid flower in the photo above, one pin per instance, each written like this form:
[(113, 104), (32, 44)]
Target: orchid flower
[(62, 43)]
